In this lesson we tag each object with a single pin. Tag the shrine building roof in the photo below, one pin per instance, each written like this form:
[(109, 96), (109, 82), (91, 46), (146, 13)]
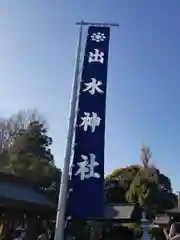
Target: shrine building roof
[(16, 193)]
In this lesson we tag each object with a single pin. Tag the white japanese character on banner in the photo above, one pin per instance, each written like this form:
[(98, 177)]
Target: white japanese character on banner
[(93, 86), (90, 121), (86, 168), (97, 56)]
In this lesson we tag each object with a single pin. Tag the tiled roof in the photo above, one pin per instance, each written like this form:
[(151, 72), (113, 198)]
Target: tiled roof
[(16, 189), (173, 211), (122, 212), (162, 220)]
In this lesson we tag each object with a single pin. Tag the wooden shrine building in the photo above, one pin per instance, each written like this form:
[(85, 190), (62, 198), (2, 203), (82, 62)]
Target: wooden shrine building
[(114, 224), (23, 202)]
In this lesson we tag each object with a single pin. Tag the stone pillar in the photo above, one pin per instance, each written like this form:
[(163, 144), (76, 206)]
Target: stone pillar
[(145, 227)]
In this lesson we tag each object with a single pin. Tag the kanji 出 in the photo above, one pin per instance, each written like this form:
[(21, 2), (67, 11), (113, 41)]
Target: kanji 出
[(96, 56)]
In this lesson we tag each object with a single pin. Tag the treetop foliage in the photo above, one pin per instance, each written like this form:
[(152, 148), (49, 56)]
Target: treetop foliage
[(143, 184), (27, 150)]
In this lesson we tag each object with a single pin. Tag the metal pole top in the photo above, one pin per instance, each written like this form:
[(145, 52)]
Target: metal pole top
[(98, 24)]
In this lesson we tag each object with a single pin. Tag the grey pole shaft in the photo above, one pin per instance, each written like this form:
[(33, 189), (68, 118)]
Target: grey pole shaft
[(59, 231)]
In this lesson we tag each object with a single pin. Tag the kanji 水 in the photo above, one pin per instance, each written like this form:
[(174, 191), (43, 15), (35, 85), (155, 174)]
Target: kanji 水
[(93, 86)]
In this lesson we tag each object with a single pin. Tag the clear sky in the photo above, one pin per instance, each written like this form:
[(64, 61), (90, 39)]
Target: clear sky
[(37, 49)]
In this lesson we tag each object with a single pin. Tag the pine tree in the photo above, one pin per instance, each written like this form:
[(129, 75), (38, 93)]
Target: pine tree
[(30, 155)]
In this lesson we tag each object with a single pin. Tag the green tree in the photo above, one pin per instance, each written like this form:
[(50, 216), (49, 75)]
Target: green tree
[(118, 183), (10, 127), (30, 157), (151, 189), (143, 184)]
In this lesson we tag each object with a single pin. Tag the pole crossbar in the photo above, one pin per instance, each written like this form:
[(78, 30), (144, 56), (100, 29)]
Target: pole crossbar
[(97, 24)]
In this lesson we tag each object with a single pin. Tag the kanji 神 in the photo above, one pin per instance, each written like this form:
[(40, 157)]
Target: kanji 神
[(93, 86), (86, 168), (90, 121), (97, 56)]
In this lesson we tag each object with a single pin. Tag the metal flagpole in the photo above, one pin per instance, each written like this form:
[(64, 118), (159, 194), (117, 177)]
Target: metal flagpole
[(59, 231)]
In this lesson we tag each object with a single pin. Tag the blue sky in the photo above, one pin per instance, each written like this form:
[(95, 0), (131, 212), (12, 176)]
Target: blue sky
[(37, 50)]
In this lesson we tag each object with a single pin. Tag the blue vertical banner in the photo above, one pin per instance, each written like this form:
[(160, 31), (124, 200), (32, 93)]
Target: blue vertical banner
[(86, 196)]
